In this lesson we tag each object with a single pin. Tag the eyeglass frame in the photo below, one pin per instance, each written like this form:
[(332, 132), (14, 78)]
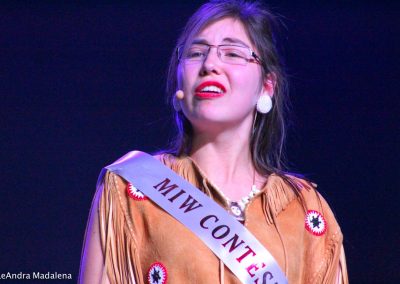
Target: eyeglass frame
[(255, 59)]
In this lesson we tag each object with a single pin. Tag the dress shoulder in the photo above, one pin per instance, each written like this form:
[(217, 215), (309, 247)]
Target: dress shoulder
[(324, 236)]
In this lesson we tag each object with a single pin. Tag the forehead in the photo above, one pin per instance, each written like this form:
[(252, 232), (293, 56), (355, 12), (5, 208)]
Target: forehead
[(224, 30)]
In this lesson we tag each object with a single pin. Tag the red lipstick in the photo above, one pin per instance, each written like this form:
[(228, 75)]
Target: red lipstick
[(209, 90)]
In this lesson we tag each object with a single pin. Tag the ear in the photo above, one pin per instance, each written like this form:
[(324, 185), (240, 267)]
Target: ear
[(269, 84)]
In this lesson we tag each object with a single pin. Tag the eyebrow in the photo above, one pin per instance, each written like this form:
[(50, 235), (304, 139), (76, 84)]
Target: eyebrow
[(225, 40)]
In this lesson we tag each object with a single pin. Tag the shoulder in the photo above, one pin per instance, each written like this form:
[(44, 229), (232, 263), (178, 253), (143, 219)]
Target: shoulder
[(111, 181), (304, 189), (319, 217), (292, 190), (322, 234), (173, 161), (312, 197)]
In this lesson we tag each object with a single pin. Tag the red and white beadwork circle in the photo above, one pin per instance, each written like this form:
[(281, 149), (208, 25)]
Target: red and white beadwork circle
[(157, 273), (315, 223), (135, 193)]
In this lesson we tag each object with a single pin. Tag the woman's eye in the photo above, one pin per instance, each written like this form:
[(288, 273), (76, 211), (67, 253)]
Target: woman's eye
[(233, 54), (195, 54)]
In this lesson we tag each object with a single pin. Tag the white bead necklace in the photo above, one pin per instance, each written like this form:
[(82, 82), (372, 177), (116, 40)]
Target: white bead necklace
[(237, 207)]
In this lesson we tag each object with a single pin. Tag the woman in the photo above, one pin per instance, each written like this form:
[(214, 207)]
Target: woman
[(229, 103)]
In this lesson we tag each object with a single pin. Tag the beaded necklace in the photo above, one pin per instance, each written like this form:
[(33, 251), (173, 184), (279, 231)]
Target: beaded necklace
[(237, 207)]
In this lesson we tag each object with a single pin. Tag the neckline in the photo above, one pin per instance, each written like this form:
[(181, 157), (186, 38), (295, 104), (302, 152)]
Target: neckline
[(278, 195), (204, 176), (236, 208)]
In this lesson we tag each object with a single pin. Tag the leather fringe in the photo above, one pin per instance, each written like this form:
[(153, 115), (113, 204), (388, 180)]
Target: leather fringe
[(122, 261), (276, 198), (327, 273)]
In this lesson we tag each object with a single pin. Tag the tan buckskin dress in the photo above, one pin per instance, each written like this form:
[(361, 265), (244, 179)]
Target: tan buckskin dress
[(137, 233)]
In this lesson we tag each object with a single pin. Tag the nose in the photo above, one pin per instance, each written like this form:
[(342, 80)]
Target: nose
[(211, 63)]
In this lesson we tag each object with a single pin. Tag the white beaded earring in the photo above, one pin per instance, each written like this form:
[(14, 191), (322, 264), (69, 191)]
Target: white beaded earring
[(264, 104)]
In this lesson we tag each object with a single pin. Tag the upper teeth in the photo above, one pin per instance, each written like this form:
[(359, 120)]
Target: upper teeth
[(212, 89)]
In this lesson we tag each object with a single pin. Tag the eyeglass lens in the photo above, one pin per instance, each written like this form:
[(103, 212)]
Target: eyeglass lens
[(231, 54)]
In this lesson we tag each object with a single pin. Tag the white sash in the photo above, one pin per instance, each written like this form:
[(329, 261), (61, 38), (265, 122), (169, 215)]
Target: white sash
[(241, 252)]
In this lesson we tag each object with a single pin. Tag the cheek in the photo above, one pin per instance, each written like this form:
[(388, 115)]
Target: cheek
[(188, 76), (186, 80), (246, 84)]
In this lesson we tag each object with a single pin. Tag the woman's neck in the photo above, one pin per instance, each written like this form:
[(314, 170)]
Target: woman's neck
[(226, 160)]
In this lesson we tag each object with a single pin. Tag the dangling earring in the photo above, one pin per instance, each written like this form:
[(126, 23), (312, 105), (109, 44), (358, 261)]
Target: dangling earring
[(264, 104), (179, 95)]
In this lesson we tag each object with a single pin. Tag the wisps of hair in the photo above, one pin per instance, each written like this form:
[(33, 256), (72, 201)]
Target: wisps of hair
[(267, 143)]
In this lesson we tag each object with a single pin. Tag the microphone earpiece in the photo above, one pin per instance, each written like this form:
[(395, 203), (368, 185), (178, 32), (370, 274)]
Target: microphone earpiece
[(179, 95)]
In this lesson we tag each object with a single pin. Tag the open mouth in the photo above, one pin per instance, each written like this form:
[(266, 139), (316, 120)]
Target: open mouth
[(210, 89)]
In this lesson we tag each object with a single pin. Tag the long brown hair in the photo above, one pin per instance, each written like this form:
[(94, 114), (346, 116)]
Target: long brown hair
[(267, 140)]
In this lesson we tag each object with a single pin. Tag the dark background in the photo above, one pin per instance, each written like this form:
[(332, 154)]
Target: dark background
[(82, 84)]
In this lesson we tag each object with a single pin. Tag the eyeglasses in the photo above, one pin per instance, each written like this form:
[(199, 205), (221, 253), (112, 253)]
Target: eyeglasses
[(227, 53)]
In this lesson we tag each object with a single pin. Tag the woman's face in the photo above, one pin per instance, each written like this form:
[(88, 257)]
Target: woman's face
[(218, 93)]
